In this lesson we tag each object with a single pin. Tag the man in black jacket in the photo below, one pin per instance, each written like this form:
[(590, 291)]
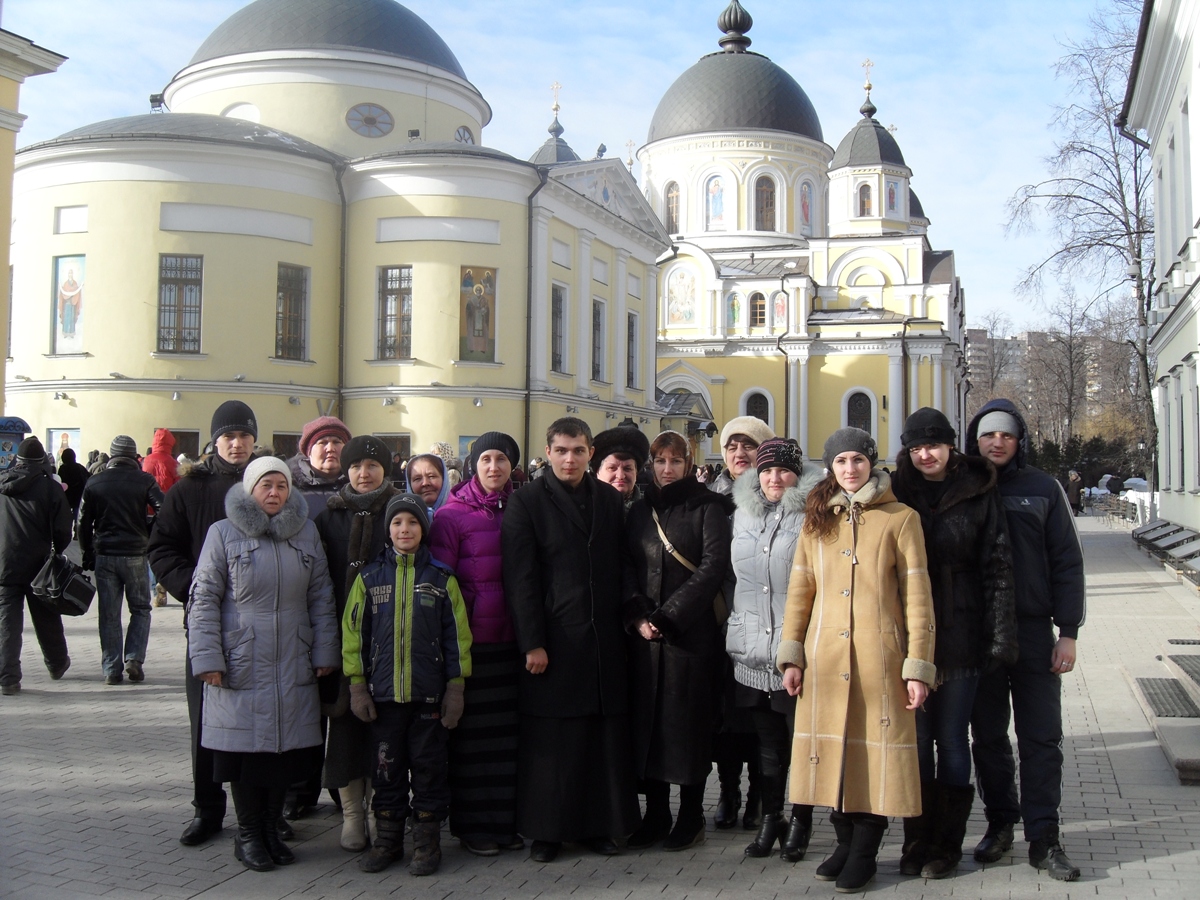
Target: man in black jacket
[(114, 531), (1048, 571), (562, 543), (194, 503), (34, 516)]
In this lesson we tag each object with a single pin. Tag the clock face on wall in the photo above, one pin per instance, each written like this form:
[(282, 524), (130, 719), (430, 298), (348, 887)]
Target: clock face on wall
[(370, 120), (464, 136)]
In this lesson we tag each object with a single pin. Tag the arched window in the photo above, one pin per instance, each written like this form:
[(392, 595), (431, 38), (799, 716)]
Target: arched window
[(758, 311), (672, 208), (864, 200), (858, 411), (759, 406), (764, 204)]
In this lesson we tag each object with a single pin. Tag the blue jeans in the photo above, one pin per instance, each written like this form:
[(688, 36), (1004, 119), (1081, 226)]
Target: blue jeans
[(117, 576), (944, 722)]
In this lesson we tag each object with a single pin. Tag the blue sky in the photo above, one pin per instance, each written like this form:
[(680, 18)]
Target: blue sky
[(969, 84)]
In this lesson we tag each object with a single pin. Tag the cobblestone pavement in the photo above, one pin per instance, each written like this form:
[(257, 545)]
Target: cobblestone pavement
[(94, 791)]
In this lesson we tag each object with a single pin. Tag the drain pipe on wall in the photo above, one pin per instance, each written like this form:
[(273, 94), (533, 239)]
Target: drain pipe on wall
[(787, 330), (339, 171), (543, 176)]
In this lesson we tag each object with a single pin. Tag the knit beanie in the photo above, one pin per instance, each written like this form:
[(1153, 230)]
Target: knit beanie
[(31, 449), (751, 426), (264, 465), (323, 427), (927, 426), (123, 445), (780, 453), (494, 440), (233, 415), (847, 440), (366, 446), (999, 420), (409, 503), (622, 439)]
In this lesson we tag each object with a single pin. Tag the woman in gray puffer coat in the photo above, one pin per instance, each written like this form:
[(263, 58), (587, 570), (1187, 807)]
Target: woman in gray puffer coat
[(770, 512), (261, 628)]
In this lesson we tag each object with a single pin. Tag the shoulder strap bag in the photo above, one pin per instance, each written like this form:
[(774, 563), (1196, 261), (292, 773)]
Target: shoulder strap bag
[(61, 584), (720, 607)]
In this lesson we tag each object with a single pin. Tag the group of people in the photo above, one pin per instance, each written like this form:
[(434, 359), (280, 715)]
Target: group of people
[(527, 662)]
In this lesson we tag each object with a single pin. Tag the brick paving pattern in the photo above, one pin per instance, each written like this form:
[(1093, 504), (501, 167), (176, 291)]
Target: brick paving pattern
[(95, 789)]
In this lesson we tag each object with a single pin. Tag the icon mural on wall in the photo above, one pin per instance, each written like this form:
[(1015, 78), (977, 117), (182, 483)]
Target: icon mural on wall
[(733, 310), (477, 314), (681, 298), (714, 204), (60, 439), (806, 204), (781, 308), (68, 304), (892, 200)]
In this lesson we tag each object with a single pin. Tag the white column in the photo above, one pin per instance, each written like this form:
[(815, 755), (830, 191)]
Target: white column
[(914, 384), (895, 399), (793, 410), (649, 325), (540, 350), (939, 380), (1164, 431), (619, 327), (802, 400), (583, 313), (716, 316), (1193, 417)]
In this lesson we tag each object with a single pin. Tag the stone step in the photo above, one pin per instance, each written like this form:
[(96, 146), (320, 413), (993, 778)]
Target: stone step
[(1178, 735), (1185, 666)]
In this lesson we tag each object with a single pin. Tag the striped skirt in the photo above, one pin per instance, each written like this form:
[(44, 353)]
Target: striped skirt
[(483, 748)]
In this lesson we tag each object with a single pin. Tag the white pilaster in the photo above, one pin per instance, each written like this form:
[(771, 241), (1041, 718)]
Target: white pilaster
[(583, 312), (539, 352), (619, 329), (649, 326), (939, 381), (914, 383), (802, 400), (793, 410), (895, 399)]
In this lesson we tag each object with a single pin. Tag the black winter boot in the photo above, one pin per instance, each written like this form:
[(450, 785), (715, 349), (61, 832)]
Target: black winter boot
[(799, 832), (774, 826), (754, 809), (917, 832), (860, 866), (997, 840), (427, 844), (656, 823), (281, 854), (729, 773), (949, 829), (843, 827), (689, 825), (388, 846), (1047, 853), (248, 846)]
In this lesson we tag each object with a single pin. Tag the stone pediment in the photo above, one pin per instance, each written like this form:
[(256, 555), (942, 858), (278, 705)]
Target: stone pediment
[(609, 184)]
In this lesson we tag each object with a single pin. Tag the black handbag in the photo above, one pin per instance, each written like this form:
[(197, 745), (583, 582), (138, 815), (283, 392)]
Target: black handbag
[(62, 586)]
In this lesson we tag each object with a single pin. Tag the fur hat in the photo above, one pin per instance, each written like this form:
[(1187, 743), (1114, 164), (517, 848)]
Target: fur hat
[(366, 446), (846, 440), (780, 453), (751, 426), (622, 439), (927, 426), (262, 466), (322, 427), (233, 415), (409, 503)]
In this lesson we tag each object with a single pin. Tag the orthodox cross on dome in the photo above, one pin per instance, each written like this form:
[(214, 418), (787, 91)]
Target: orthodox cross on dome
[(892, 129), (629, 145), (734, 22), (867, 66), (868, 108), (555, 128)]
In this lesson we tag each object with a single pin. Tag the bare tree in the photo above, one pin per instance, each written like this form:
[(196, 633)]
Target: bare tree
[(1097, 198)]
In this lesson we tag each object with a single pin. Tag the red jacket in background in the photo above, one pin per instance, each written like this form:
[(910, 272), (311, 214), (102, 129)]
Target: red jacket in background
[(161, 463)]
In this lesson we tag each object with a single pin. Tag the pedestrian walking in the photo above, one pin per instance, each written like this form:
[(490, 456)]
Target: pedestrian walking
[(465, 536), (1050, 594), (858, 637), (74, 476), (35, 518), (261, 629), (678, 537), (119, 506), (970, 570), (562, 542), (407, 649)]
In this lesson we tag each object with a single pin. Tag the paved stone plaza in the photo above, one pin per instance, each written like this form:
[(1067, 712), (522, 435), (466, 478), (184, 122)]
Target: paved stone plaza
[(94, 790)]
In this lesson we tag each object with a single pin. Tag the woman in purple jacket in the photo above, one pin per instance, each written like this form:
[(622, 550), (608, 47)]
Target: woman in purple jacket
[(483, 749)]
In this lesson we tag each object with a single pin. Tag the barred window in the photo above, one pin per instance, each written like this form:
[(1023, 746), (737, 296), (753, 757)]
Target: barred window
[(597, 341), (672, 208), (395, 312), (864, 200), (631, 351), (179, 291), (557, 302), (758, 310), (758, 406), (291, 308), (764, 204), (858, 411)]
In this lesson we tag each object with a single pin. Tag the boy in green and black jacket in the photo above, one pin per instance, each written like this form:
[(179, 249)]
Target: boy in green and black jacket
[(406, 648)]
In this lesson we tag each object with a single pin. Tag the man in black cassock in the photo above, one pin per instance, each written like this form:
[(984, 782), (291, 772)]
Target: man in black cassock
[(563, 544)]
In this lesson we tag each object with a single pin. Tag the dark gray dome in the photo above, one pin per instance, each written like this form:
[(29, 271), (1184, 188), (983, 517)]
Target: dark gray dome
[(376, 26), (196, 127), (734, 90), (555, 150), (867, 144), (915, 210)]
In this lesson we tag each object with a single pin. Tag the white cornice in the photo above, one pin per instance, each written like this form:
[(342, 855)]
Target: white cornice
[(748, 140), (580, 212), (436, 175), (167, 385), (21, 58), (10, 120)]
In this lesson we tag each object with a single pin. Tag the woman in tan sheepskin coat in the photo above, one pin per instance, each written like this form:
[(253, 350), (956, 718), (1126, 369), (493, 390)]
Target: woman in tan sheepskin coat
[(857, 650)]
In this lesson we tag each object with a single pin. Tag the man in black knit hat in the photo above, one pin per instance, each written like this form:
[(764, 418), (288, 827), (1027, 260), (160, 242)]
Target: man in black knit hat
[(194, 503), (34, 515)]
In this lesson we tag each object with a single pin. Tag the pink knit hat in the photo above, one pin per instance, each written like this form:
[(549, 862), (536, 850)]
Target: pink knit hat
[(325, 426)]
